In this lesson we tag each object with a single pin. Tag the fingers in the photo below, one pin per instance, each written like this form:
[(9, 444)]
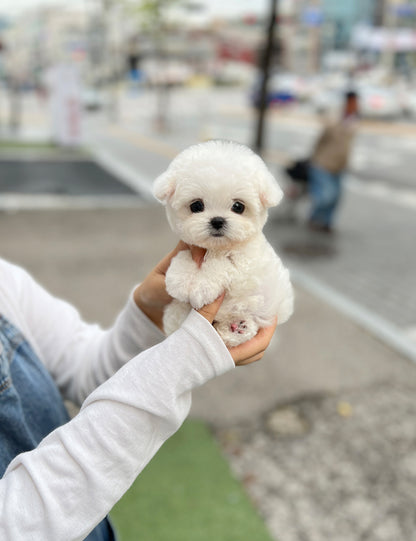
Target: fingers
[(250, 360), (209, 311), (151, 295), (198, 254)]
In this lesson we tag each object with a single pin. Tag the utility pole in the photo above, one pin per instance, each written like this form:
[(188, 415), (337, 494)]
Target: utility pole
[(265, 73), (389, 23)]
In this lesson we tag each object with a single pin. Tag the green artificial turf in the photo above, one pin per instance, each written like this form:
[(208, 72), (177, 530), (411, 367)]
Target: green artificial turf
[(25, 145), (7, 145), (187, 493)]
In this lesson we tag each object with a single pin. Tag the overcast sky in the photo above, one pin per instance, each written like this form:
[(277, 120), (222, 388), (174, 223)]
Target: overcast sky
[(223, 7)]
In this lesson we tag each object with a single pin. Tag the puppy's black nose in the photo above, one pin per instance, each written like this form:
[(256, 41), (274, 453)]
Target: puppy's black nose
[(217, 222)]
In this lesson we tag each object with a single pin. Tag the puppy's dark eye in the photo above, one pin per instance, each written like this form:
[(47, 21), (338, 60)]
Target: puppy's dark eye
[(238, 207), (197, 206)]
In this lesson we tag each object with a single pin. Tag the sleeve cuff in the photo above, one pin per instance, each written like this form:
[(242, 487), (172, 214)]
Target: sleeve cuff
[(203, 332), (139, 332)]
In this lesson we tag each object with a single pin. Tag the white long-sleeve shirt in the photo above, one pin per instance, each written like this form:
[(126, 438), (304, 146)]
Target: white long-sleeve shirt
[(132, 403)]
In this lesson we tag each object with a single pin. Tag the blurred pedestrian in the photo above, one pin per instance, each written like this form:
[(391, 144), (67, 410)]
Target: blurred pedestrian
[(134, 59), (327, 165), (62, 85), (60, 477)]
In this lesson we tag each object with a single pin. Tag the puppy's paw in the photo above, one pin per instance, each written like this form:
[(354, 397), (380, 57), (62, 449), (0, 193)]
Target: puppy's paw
[(203, 293), (237, 331), (179, 276), (208, 284)]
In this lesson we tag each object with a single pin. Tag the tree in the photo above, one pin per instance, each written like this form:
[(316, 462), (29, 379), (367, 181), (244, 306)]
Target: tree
[(153, 15)]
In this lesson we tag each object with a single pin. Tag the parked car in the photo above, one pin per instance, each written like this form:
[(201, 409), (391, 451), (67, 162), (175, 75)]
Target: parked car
[(93, 99), (373, 102), (166, 72), (229, 73), (283, 88), (380, 102), (409, 103), (328, 101)]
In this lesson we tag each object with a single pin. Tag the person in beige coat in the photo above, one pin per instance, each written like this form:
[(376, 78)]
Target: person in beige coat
[(328, 162)]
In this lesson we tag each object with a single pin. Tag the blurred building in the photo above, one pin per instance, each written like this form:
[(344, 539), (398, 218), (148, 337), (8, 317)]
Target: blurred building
[(226, 50), (39, 38), (390, 39), (375, 32), (340, 19)]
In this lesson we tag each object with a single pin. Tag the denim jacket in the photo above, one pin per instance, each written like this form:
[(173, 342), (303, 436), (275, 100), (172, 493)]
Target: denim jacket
[(30, 404)]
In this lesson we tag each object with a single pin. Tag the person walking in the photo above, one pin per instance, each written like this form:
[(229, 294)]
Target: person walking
[(327, 165)]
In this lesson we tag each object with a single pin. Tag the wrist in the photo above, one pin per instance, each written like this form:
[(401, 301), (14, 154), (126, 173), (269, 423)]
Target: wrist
[(152, 312)]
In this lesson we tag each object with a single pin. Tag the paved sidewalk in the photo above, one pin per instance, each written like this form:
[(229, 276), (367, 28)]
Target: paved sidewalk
[(321, 432)]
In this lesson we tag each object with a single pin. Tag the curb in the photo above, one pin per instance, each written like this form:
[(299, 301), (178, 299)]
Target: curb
[(377, 326), (125, 173)]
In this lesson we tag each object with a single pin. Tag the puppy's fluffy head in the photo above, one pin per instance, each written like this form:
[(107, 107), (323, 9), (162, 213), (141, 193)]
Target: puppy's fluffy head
[(217, 194)]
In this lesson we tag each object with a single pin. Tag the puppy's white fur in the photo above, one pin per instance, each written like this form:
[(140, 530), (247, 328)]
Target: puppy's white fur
[(216, 196)]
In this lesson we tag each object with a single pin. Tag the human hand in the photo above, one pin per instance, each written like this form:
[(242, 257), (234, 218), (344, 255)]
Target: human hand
[(250, 351), (151, 295), (254, 349)]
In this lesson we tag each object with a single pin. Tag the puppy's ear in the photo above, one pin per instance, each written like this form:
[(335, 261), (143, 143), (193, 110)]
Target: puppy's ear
[(270, 192), (164, 186)]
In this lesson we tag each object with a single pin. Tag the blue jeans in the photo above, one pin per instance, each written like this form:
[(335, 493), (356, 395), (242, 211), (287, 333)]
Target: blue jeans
[(30, 404), (325, 193)]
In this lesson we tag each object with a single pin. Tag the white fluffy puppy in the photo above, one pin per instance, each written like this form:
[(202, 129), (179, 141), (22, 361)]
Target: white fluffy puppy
[(216, 196)]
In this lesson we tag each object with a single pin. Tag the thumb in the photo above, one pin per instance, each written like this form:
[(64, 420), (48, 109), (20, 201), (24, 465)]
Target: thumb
[(163, 265), (209, 311), (197, 254)]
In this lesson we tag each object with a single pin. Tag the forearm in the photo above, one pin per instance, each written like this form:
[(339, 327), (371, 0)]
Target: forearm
[(79, 356), (100, 354), (62, 489)]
